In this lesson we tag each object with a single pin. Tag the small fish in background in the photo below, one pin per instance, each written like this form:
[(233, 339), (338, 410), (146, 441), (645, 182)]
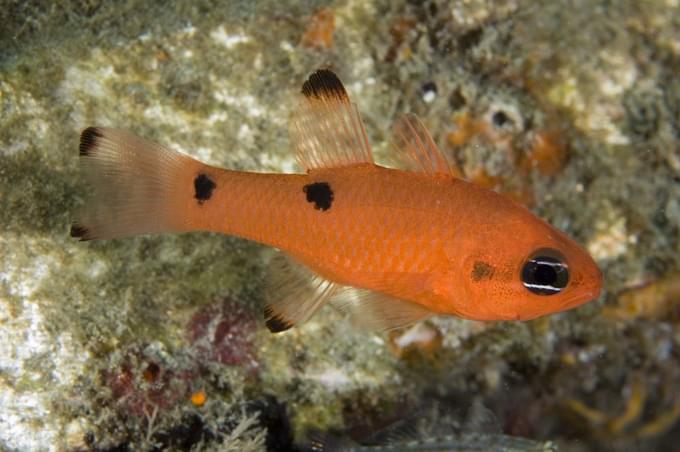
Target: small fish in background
[(461, 442), (389, 246), (429, 429)]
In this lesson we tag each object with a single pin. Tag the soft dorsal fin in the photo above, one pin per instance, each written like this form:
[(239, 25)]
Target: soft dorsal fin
[(416, 150), (481, 419), (293, 293), (326, 130), (375, 311)]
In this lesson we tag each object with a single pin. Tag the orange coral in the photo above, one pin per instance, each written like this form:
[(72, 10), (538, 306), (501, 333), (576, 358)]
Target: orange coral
[(657, 300), (466, 129), (623, 424), (199, 398), (548, 153), (399, 31), (319, 32), (482, 178)]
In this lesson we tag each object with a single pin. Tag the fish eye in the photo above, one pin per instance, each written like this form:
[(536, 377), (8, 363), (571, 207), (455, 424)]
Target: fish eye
[(545, 272)]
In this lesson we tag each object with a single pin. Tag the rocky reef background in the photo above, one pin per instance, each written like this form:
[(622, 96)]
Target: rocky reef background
[(152, 343)]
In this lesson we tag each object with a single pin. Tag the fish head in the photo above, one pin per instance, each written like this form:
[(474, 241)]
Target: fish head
[(518, 267)]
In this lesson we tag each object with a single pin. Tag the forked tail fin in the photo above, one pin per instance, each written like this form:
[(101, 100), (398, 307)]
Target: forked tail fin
[(139, 187)]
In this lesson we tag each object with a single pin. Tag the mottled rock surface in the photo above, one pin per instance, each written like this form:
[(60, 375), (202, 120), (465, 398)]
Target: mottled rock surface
[(572, 108)]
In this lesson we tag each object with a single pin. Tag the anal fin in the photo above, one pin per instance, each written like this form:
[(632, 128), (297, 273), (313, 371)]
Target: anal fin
[(376, 311), (293, 293)]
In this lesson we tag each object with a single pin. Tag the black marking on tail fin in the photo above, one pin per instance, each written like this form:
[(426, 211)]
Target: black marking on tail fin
[(203, 187), (275, 323), (320, 194), (79, 232), (88, 139), (324, 84)]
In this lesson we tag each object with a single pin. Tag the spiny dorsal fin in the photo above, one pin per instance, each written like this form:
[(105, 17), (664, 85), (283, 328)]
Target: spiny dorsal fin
[(375, 311), (293, 293), (415, 149), (326, 130)]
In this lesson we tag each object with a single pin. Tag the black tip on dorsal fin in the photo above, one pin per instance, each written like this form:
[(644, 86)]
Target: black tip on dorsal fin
[(274, 322), (88, 139), (79, 232), (324, 84)]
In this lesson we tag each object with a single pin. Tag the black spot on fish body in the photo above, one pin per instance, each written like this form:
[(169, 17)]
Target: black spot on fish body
[(203, 187), (482, 270), (320, 194)]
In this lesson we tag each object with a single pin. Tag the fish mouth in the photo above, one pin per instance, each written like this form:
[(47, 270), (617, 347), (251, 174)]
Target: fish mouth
[(567, 304), (578, 299)]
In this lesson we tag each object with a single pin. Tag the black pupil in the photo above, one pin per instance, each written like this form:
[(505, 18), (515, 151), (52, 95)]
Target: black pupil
[(545, 275)]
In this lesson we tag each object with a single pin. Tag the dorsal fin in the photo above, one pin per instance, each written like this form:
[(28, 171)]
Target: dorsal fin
[(416, 150), (326, 130), (293, 293), (376, 311), (479, 418)]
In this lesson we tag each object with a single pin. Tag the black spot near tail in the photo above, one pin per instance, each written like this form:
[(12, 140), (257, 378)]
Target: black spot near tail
[(88, 139), (320, 194), (275, 323), (203, 187), (79, 232), (324, 84)]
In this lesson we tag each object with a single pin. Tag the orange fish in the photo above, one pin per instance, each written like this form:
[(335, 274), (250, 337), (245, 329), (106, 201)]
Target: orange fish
[(389, 246)]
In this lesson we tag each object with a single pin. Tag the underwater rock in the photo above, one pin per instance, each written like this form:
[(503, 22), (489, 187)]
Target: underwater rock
[(224, 333), (571, 108)]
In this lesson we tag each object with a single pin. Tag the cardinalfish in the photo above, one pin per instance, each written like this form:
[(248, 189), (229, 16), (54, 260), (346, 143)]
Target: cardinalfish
[(388, 246), (459, 442), (431, 427)]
